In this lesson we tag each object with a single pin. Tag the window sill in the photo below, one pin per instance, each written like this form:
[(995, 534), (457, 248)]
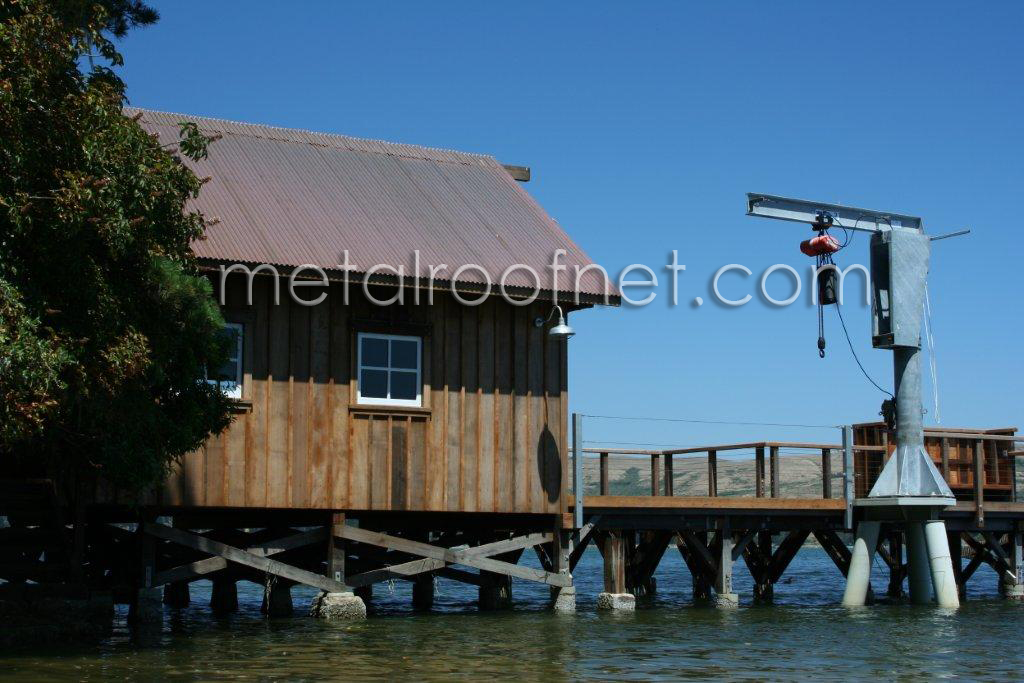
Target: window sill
[(371, 409), (241, 405)]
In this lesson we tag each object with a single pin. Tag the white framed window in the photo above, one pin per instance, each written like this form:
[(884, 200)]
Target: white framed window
[(229, 376), (389, 370)]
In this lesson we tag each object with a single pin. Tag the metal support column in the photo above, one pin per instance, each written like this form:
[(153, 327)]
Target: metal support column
[(577, 470)]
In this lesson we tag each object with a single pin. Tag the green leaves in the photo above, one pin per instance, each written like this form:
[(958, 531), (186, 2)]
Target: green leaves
[(106, 324), (193, 143)]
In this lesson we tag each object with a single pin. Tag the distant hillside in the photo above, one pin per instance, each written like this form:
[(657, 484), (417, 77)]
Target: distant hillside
[(799, 475)]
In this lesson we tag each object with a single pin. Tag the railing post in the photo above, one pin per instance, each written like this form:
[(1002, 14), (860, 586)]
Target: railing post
[(1013, 478), (945, 459), (577, 469), (668, 474), (655, 476), (773, 464), (712, 473), (759, 472), (604, 487), (826, 473), (848, 473), (979, 482), (994, 465)]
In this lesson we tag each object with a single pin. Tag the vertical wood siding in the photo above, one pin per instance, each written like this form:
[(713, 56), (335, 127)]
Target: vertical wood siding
[(491, 436)]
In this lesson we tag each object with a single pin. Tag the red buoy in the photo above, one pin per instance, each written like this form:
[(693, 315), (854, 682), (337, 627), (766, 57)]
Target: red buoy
[(822, 244)]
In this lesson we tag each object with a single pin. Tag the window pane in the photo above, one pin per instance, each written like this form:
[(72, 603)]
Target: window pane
[(375, 352), (227, 372), (373, 384), (232, 334), (403, 354), (403, 385)]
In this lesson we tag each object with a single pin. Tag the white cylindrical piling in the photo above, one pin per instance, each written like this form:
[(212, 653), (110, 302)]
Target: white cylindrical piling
[(919, 578), (858, 576), (943, 579)]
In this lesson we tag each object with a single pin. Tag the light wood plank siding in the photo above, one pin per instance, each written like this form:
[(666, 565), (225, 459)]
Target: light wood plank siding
[(491, 436)]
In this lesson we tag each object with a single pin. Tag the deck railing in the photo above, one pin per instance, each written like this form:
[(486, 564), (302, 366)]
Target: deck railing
[(977, 465), (762, 468)]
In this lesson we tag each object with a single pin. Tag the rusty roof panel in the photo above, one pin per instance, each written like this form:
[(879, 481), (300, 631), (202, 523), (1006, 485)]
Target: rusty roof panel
[(290, 197)]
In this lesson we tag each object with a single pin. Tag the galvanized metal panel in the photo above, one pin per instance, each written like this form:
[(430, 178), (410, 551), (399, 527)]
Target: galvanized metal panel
[(290, 197)]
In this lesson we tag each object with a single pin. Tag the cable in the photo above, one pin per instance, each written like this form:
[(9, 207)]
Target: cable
[(710, 422), (846, 332)]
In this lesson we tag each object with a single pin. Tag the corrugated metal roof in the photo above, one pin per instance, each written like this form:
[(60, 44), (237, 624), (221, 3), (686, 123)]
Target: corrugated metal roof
[(290, 197)]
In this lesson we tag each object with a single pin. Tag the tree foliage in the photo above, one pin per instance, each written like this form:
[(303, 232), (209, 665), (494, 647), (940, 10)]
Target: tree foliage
[(106, 325)]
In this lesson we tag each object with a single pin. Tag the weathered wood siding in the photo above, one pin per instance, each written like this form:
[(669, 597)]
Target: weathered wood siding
[(491, 436)]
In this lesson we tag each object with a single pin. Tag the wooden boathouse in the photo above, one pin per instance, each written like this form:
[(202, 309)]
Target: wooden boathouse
[(400, 418), (392, 430)]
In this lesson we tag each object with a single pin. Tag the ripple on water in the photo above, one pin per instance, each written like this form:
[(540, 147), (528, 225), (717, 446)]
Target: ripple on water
[(804, 635)]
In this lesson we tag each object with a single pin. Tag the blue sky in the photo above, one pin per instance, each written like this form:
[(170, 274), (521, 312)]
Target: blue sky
[(645, 124)]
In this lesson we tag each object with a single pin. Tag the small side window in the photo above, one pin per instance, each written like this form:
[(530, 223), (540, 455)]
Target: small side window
[(229, 376), (389, 370)]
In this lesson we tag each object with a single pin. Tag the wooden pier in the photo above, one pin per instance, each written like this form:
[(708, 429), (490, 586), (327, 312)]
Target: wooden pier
[(767, 529), (345, 553)]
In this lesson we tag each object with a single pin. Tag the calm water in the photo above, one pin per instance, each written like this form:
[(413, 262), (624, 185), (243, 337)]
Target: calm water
[(803, 635)]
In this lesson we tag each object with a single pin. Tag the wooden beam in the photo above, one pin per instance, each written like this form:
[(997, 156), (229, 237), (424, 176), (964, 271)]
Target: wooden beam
[(615, 562), (335, 550), (668, 474), (738, 548), (655, 474), (397, 571), (462, 576), (773, 463), (759, 471), (785, 553), (826, 473), (464, 557), (582, 540), (603, 489), (998, 552), (979, 483), (701, 554), (835, 549), (200, 568), (945, 458), (240, 556), (648, 556), (712, 473), (702, 579), (544, 557)]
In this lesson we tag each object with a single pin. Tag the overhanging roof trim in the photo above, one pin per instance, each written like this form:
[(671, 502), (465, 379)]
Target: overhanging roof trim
[(391, 280), (291, 197)]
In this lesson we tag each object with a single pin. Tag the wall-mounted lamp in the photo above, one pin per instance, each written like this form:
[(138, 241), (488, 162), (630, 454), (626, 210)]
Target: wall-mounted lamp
[(561, 330)]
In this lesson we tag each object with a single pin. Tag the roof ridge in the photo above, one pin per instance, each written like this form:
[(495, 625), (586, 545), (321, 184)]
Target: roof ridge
[(356, 144)]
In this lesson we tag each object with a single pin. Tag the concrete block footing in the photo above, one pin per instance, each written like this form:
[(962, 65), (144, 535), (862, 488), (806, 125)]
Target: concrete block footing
[(338, 607), (727, 600), (616, 601), (563, 599), (1011, 590)]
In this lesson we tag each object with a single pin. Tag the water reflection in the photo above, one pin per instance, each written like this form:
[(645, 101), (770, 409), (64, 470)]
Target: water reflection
[(805, 634)]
